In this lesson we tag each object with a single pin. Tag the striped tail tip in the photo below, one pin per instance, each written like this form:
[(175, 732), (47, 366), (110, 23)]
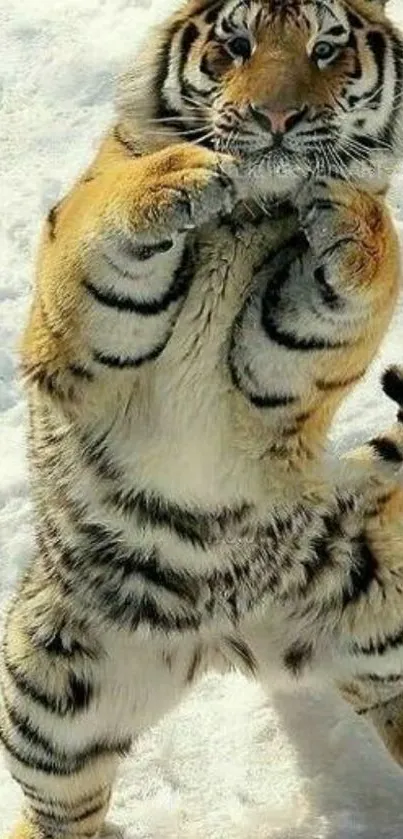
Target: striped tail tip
[(392, 383), (387, 450)]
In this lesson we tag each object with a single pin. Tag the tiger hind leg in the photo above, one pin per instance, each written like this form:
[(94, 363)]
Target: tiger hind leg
[(57, 807), (61, 744), (48, 817), (71, 811), (74, 694), (378, 695)]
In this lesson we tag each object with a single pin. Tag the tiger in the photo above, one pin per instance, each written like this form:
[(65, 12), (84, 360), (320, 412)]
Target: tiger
[(207, 294)]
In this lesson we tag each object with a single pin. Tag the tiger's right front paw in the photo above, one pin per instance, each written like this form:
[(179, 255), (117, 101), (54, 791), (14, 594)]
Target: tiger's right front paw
[(182, 188)]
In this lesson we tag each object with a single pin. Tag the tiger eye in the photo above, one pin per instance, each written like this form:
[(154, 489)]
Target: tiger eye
[(240, 47), (325, 52)]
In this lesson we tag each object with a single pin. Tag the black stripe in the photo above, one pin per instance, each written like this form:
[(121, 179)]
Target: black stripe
[(364, 571), (63, 804), (378, 507), (367, 143), (393, 125), (270, 303), (192, 525), (104, 591), (378, 646), (142, 253), (392, 383), (182, 278), (322, 554), (206, 69), (226, 593), (212, 14), (104, 549), (321, 559), (271, 401), (183, 585), (195, 663), (48, 382), (390, 679), (297, 425), (52, 221), (25, 686), (116, 362), (357, 73), (133, 612), (77, 693), (328, 295), (190, 34), (26, 730), (112, 300), (278, 273), (336, 30), (297, 657), (97, 455), (103, 794), (377, 46), (354, 20), (244, 653), (31, 792), (62, 764), (81, 372), (54, 644), (81, 693), (339, 384), (163, 109), (387, 450), (90, 811), (66, 818), (274, 261), (265, 400), (376, 707), (187, 90)]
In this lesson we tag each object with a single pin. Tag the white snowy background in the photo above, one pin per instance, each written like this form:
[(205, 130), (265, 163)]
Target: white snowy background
[(231, 763)]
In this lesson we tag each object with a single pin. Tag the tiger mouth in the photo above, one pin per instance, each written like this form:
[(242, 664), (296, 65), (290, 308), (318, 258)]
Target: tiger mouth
[(276, 155)]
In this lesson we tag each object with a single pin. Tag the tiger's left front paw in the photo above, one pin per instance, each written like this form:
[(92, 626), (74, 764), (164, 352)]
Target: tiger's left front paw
[(342, 224)]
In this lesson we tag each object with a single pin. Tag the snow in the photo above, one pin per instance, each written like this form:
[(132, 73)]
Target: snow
[(231, 762)]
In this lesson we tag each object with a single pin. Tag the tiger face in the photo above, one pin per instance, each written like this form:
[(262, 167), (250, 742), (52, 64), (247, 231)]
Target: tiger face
[(289, 86)]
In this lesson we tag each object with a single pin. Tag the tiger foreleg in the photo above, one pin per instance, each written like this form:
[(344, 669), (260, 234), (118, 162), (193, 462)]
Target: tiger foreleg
[(115, 264)]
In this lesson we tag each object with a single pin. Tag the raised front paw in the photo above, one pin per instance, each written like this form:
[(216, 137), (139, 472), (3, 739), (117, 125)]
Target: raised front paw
[(181, 188), (342, 224)]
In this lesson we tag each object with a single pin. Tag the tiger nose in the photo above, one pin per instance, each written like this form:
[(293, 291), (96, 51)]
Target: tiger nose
[(277, 121)]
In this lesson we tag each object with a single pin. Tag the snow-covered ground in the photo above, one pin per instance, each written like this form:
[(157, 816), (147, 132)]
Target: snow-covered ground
[(230, 763)]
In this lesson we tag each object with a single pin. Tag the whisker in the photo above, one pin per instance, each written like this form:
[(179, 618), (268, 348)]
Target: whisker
[(200, 140), (359, 144)]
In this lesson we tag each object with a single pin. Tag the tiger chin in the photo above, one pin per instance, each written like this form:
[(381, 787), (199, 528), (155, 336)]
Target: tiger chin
[(207, 294)]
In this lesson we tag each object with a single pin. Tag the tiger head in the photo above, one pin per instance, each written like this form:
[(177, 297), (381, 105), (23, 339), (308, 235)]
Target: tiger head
[(291, 87)]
